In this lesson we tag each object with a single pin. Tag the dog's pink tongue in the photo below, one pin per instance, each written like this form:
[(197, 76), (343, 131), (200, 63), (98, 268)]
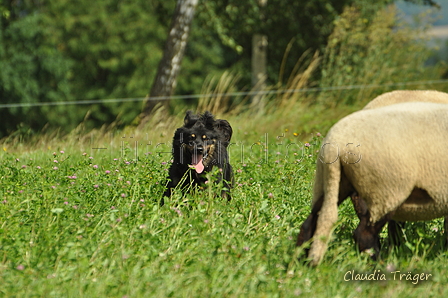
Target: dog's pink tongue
[(197, 163)]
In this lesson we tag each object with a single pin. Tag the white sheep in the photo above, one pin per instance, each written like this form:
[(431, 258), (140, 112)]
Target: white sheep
[(394, 157), (401, 96)]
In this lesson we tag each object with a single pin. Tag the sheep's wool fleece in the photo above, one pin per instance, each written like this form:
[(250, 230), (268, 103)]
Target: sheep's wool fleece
[(386, 153), (401, 96)]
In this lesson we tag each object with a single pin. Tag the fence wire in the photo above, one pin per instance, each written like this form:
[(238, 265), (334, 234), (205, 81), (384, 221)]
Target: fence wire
[(230, 94)]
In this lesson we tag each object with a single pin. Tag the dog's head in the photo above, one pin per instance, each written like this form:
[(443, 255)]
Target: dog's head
[(199, 138)]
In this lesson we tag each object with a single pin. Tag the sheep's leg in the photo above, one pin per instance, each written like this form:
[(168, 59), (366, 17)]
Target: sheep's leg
[(309, 225), (446, 231)]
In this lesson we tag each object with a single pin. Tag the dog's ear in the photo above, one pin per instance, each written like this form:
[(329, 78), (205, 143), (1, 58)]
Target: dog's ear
[(190, 119), (208, 120), (224, 127)]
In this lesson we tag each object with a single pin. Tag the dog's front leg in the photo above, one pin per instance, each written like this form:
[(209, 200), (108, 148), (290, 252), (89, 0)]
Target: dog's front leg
[(226, 177), (172, 183)]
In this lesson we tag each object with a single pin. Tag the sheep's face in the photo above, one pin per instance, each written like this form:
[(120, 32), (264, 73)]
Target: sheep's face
[(367, 240)]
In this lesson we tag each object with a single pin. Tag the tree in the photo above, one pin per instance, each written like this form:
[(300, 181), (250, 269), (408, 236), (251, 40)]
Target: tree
[(115, 46), (303, 24), (168, 70), (32, 70)]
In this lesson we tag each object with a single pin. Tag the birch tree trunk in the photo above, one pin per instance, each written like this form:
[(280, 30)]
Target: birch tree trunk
[(165, 81)]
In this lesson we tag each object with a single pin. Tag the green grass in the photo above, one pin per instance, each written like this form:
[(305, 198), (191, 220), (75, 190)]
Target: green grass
[(89, 225)]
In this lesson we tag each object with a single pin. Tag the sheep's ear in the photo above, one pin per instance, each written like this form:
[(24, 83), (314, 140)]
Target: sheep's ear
[(190, 119), (224, 127)]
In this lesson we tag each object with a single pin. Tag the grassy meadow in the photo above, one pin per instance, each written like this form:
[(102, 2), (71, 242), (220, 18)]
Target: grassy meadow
[(79, 217), (80, 214)]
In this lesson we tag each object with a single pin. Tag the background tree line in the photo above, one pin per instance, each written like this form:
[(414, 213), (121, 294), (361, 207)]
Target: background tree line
[(61, 50)]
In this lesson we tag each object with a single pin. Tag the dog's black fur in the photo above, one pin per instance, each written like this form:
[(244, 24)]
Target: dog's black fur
[(198, 146)]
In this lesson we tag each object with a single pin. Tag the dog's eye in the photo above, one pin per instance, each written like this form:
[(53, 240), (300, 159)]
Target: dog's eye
[(193, 136), (204, 137)]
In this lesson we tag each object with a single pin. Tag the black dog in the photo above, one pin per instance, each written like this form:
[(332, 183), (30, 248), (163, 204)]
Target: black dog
[(198, 146)]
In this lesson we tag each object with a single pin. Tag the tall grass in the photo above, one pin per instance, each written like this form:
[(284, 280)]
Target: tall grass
[(89, 225), (216, 95)]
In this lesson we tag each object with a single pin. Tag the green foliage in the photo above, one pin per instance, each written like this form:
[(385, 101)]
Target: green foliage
[(31, 70), (63, 51), (57, 51), (304, 25), (110, 41), (115, 45), (371, 48)]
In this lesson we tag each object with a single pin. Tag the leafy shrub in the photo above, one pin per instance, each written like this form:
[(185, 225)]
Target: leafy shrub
[(371, 52)]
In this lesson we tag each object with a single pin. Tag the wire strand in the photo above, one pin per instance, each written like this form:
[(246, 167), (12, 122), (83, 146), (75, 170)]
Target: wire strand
[(230, 94)]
